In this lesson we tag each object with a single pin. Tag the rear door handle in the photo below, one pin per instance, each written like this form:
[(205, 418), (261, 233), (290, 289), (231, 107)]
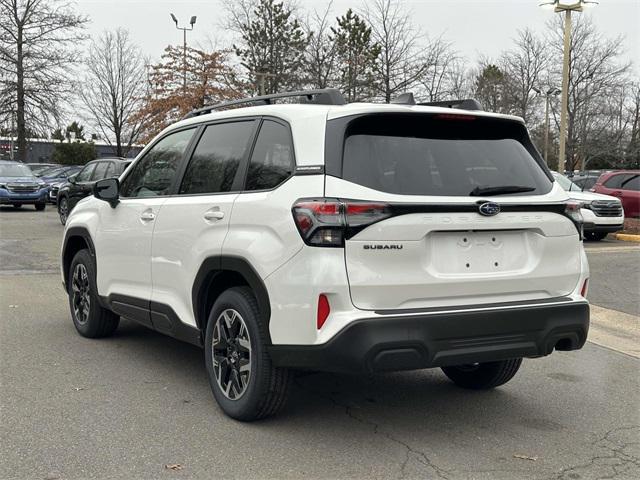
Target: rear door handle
[(214, 215), (147, 216)]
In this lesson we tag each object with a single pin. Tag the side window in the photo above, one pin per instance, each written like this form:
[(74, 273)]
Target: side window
[(111, 170), (101, 169), (615, 181), (85, 174), (272, 158), (632, 184), (153, 174), (215, 160)]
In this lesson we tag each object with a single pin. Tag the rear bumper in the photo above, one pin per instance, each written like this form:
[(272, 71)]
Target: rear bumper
[(595, 227), (390, 343)]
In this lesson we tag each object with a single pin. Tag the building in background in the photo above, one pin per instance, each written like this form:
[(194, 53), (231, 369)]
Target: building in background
[(40, 150)]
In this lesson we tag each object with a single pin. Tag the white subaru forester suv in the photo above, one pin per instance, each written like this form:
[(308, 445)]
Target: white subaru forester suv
[(334, 237)]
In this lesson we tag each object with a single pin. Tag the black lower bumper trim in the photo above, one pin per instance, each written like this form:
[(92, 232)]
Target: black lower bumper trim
[(594, 227), (436, 340)]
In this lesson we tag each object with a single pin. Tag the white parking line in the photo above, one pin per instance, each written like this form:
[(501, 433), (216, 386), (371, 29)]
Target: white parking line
[(612, 249)]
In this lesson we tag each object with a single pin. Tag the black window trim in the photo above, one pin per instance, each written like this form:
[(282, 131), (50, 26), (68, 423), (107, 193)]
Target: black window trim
[(237, 181), (253, 146)]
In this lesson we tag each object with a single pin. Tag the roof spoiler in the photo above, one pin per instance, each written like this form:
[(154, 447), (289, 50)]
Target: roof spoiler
[(464, 104)]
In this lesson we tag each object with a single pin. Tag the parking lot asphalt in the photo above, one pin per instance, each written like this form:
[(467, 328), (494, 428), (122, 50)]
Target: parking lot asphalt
[(128, 406)]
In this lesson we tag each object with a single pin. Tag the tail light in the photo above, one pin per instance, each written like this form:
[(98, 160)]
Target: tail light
[(327, 222), (572, 210)]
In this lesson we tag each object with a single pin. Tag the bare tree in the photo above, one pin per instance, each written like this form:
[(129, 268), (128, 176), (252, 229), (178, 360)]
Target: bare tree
[(114, 88), (632, 159), (459, 82), (37, 46), (399, 66), (444, 76), (596, 73), (320, 57), (524, 67)]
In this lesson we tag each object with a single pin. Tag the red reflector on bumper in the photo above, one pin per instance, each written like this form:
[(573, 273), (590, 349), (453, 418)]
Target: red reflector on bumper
[(585, 287), (323, 310)]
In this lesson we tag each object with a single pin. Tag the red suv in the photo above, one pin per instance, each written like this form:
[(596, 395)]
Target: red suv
[(624, 184)]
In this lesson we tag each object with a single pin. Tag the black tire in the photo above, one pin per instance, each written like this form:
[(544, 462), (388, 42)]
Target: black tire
[(483, 376), (91, 321), (17, 205), (63, 209), (40, 206), (265, 389), (595, 236)]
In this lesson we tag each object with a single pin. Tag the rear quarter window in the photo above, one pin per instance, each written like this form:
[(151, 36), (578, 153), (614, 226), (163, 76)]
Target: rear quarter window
[(615, 181), (447, 155), (632, 183)]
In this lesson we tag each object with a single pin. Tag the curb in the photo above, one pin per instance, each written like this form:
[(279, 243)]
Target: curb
[(627, 237)]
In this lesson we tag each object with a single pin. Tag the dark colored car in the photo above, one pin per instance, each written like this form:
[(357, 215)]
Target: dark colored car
[(38, 168), (19, 186), (624, 184), (56, 177), (80, 185)]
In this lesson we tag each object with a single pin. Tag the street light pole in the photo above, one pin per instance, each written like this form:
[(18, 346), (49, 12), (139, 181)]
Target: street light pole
[(565, 92), (184, 48), (567, 7), (547, 96)]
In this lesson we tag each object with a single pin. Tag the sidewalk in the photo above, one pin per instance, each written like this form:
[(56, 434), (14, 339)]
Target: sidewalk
[(615, 330)]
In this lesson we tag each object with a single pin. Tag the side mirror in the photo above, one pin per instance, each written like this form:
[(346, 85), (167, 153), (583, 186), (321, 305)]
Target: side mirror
[(72, 178), (107, 190)]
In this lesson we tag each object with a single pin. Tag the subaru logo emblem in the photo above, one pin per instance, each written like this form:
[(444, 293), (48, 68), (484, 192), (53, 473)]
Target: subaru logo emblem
[(489, 209)]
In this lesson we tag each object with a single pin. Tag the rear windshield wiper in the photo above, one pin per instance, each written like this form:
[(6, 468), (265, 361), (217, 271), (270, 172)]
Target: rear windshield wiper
[(500, 190)]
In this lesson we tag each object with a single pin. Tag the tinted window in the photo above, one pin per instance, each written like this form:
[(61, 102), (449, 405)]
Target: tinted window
[(153, 174), (272, 158), (85, 173), (99, 172), (111, 170), (632, 184), (440, 155), (215, 160), (615, 181)]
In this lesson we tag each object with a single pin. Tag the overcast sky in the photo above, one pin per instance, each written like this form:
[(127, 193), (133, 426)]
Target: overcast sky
[(474, 26)]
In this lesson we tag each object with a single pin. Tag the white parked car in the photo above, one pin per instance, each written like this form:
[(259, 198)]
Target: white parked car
[(337, 237), (602, 214)]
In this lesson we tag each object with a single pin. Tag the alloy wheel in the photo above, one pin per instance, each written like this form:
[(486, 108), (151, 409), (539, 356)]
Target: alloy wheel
[(63, 210), (80, 294), (231, 354)]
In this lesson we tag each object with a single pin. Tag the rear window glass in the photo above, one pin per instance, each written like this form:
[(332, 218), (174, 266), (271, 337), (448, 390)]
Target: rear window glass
[(440, 155)]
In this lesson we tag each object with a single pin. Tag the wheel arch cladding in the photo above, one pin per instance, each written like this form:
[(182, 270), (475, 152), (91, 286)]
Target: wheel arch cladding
[(75, 239), (219, 273)]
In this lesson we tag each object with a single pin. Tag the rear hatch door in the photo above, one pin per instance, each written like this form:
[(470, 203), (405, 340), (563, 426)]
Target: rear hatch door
[(471, 217)]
